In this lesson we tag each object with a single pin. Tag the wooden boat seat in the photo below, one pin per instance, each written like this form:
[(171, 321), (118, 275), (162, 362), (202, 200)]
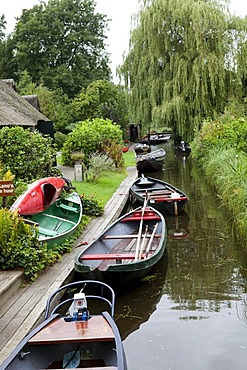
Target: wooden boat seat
[(58, 218), (110, 256), (148, 189), (139, 218), (96, 329), (91, 368), (128, 236), (47, 232), (69, 208)]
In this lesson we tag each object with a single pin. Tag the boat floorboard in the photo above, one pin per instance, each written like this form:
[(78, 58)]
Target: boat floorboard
[(24, 309)]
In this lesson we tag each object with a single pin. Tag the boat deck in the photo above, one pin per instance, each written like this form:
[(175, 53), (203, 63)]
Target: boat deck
[(22, 308), (60, 331)]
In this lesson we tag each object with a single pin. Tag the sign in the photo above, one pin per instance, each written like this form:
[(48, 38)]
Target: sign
[(6, 188)]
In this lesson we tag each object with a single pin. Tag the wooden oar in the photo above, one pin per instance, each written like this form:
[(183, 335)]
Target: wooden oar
[(140, 229), (143, 242), (151, 239)]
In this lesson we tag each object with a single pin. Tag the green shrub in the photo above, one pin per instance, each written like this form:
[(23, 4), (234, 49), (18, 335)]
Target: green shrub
[(89, 137), (28, 155), (60, 139), (224, 133), (91, 206), (98, 163), (114, 151), (19, 246)]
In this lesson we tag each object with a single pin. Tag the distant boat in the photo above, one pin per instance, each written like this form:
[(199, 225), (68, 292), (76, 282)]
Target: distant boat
[(127, 250), (162, 196), (142, 148), (156, 138), (73, 338), (150, 162), (40, 195), (59, 221), (182, 148)]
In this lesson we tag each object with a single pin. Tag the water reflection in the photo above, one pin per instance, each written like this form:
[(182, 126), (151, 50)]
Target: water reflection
[(199, 318), (134, 308)]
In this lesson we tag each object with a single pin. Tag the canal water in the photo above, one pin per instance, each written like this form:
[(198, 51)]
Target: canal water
[(191, 311)]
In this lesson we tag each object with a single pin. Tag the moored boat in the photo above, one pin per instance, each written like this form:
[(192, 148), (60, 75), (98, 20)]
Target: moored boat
[(151, 162), (71, 336), (39, 196), (127, 250), (59, 221), (182, 148), (155, 138), (142, 148), (162, 196)]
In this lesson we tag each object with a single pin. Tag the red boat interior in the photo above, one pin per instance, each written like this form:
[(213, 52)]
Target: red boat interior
[(49, 192)]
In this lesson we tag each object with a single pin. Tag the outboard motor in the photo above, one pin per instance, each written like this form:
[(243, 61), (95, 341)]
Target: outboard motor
[(78, 310)]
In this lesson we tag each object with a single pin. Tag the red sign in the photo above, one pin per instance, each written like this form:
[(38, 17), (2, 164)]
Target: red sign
[(6, 188)]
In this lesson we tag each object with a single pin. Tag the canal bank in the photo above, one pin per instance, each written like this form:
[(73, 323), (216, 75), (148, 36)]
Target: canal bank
[(22, 308)]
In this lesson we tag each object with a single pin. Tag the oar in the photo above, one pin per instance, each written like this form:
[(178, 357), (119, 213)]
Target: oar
[(143, 242), (151, 239), (140, 229)]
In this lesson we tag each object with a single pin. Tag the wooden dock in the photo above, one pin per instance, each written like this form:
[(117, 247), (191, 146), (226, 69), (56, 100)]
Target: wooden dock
[(22, 308)]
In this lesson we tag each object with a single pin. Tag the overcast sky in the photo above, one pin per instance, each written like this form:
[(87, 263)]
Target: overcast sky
[(119, 11)]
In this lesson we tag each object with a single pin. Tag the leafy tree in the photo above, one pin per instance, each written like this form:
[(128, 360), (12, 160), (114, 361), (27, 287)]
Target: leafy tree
[(7, 64), (53, 104), (26, 86), (89, 137), (61, 44), (178, 67), (28, 155), (102, 99), (2, 27)]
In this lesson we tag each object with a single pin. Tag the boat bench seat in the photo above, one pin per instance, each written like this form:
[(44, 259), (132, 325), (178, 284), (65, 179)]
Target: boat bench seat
[(47, 232), (92, 368), (128, 236), (68, 208), (139, 218), (109, 256)]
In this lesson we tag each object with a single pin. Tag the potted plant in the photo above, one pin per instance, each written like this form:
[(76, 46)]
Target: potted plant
[(77, 157)]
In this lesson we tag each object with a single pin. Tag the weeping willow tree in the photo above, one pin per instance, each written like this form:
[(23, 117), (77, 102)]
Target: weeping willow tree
[(179, 67)]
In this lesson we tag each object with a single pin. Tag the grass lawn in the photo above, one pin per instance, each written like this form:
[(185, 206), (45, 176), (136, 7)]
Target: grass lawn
[(103, 189), (107, 184)]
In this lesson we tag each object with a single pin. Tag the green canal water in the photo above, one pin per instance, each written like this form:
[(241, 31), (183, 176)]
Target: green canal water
[(192, 312)]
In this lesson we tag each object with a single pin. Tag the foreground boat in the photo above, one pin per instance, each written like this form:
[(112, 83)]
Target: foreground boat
[(127, 250), (40, 195), (162, 196), (76, 339), (151, 162), (59, 221)]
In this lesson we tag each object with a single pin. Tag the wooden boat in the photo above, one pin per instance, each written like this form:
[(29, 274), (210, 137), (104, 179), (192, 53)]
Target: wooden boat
[(182, 148), (127, 250), (59, 221), (156, 138), (151, 162), (39, 196), (162, 196), (142, 148), (76, 338)]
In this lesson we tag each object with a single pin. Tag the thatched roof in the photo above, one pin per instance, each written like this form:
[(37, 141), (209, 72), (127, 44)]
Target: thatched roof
[(15, 110)]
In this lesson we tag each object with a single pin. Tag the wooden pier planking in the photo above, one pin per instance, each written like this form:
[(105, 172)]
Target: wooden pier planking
[(24, 309)]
